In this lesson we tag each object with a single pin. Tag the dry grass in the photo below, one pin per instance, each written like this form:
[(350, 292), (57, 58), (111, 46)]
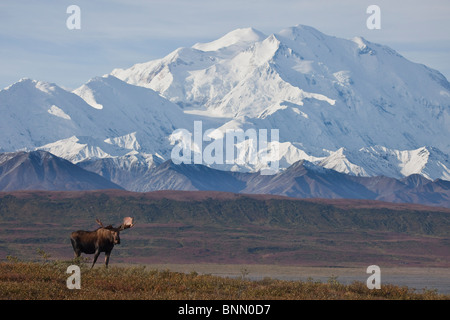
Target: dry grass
[(47, 280)]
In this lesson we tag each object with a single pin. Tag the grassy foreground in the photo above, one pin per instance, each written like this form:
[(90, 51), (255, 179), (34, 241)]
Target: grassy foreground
[(47, 280)]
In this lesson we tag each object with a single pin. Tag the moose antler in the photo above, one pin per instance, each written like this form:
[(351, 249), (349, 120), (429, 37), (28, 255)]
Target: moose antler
[(99, 222), (127, 223)]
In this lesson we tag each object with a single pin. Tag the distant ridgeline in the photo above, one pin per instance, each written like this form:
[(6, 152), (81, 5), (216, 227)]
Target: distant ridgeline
[(190, 227)]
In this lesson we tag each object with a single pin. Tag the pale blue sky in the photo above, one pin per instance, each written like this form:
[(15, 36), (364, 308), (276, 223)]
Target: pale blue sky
[(35, 42)]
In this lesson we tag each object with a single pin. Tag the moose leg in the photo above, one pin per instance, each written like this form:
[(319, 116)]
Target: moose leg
[(76, 249), (97, 253), (107, 254)]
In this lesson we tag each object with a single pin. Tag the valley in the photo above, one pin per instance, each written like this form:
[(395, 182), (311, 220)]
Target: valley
[(226, 228)]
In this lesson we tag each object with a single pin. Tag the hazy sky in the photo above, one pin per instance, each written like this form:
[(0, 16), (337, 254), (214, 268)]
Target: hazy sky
[(35, 42)]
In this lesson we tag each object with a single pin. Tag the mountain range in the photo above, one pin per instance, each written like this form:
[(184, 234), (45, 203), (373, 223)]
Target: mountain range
[(355, 109), (40, 170)]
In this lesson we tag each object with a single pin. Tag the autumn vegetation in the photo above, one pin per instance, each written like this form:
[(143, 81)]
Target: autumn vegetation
[(213, 228), (46, 280)]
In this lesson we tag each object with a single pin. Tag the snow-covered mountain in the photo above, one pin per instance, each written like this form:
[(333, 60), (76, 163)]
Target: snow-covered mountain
[(350, 105), (102, 119), (339, 103), (319, 90)]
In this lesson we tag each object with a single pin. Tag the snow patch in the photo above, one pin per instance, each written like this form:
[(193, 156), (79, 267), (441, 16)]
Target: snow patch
[(445, 93), (57, 112), (88, 96)]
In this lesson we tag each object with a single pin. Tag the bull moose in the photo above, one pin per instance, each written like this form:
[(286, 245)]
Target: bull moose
[(102, 239)]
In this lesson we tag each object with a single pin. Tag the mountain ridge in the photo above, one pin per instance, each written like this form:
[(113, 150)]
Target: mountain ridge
[(40, 170), (302, 180)]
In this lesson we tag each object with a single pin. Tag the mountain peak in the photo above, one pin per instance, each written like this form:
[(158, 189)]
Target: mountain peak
[(239, 36), (27, 84), (105, 80), (415, 180), (26, 80), (301, 31)]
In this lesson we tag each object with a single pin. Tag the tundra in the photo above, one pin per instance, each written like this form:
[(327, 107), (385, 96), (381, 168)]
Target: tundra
[(101, 240)]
